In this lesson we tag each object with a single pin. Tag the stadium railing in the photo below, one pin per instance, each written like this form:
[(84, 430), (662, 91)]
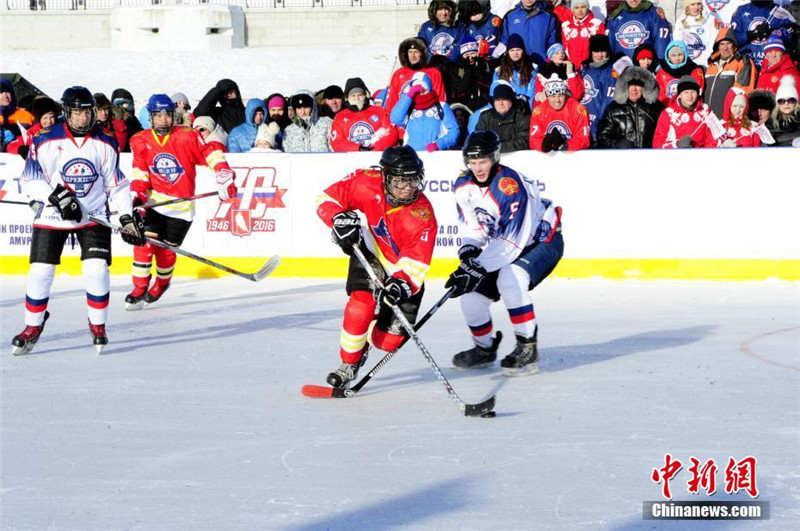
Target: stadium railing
[(105, 5)]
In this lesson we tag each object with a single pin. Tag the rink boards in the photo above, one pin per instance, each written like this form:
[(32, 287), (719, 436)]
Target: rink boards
[(648, 214)]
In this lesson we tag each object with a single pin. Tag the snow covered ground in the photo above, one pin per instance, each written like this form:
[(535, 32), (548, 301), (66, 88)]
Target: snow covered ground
[(193, 418), (258, 71)]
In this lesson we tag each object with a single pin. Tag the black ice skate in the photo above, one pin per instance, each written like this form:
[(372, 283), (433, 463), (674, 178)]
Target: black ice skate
[(524, 359), (155, 292), (135, 299), (26, 340), (99, 337), (477, 357), (346, 372)]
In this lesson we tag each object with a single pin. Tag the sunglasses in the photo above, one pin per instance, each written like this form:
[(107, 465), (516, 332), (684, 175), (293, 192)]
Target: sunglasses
[(790, 100)]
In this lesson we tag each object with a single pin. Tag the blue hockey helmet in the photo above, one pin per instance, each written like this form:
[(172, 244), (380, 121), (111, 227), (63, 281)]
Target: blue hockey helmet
[(157, 104)]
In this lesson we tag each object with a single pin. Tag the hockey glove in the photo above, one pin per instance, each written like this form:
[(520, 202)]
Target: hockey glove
[(132, 229), (552, 141), (225, 185), (466, 278), (64, 200), (365, 148), (396, 291), (468, 252), (684, 142), (37, 207), (346, 232)]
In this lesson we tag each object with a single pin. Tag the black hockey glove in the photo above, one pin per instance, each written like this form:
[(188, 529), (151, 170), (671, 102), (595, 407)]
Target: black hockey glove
[(396, 291), (64, 200), (37, 207), (468, 252), (346, 232), (365, 148), (132, 229), (466, 278), (553, 141)]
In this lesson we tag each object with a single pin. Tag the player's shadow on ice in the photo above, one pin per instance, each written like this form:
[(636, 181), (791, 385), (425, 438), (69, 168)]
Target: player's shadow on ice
[(409, 510), (129, 337), (555, 359)]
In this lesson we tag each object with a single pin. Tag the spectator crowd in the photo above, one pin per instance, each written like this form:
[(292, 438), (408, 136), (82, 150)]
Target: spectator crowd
[(544, 76)]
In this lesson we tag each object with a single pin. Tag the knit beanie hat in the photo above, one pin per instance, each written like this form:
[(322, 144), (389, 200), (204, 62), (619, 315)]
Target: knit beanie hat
[(515, 41), (206, 122), (687, 82), (787, 89), (555, 86), (268, 132), (554, 49), (468, 44), (503, 92), (774, 42), (333, 92)]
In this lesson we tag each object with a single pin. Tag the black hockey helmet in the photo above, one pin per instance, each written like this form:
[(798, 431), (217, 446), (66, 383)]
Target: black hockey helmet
[(482, 144), (401, 167), (78, 99)]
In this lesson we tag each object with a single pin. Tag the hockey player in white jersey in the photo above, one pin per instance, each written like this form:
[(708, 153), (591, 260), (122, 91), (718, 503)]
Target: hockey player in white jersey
[(71, 173), (511, 242)]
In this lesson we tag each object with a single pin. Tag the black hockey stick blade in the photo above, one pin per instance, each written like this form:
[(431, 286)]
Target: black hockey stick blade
[(269, 267), (476, 410)]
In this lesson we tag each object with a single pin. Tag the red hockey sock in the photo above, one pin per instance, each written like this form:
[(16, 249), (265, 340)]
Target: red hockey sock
[(165, 265), (142, 263), (358, 314)]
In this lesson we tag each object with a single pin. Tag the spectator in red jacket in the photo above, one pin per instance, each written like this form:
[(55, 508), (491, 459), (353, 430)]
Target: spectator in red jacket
[(683, 123), (577, 28), (777, 65), (739, 130), (675, 65), (45, 112), (413, 56), (560, 123), (110, 125), (360, 126)]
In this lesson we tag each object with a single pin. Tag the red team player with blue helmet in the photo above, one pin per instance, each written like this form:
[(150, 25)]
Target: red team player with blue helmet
[(74, 168), (398, 240), (164, 160), (511, 242)]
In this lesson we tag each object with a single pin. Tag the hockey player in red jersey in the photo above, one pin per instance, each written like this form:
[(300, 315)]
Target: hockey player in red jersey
[(73, 169), (397, 239), (164, 160)]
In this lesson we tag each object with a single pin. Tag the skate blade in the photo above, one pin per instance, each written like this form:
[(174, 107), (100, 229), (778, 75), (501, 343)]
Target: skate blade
[(527, 370), (474, 367), (99, 348), (132, 307), (21, 351)]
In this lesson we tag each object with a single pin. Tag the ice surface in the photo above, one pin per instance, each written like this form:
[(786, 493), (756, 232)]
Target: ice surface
[(193, 418)]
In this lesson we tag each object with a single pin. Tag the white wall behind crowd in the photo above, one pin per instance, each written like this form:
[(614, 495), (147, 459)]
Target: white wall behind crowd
[(659, 204)]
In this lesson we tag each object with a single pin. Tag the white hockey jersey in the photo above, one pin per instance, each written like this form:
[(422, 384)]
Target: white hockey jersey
[(88, 166), (503, 218)]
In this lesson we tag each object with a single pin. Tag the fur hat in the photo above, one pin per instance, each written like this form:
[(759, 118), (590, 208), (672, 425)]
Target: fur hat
[(334, 92), (640, 75), (302, 100), (786, 89), (42, 105), (761, 99), (599, 43), (515, 40), (687, 82), (268, 132)]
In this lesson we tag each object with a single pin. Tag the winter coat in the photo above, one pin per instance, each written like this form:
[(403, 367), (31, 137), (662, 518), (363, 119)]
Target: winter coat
[(486, 31), (226, 113), (370, 127), (738, 71), (572, 121), (736, 134), (770, 76), (308, 136), (527, 90), (575, 35), (243, 137), (469, 83), (676, 122), (403, 74), (699, 34), (442, 39), (630, 125), (599, 80), (511, 128), (668, 77), (784, 129), (538, 28), (12, 117), (630, 28), (425, 124)]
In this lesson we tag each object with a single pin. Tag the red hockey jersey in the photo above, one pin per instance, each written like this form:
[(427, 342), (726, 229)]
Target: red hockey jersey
[(164, 167), (369, 127), (572, 121), (402, 238)]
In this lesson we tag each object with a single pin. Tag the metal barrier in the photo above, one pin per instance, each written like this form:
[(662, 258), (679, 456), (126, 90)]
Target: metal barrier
[(106, 5)]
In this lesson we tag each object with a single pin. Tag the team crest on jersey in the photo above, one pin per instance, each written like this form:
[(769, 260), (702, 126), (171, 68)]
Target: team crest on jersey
[(561, 127), (360, 132), (80, 175), (632, 34), (486, 221), (381, 232), (671, 88), (166, 166), (757, 22), (441, 43), (695, 43), (590, 92), (716, 5), (420, 212), (508, 186)]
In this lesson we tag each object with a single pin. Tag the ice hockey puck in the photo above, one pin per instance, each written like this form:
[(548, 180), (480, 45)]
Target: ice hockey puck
[(489, 415)]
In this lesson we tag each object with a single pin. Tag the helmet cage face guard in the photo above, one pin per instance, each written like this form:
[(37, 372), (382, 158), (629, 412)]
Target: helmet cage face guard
[(402, 179), (477, 153), (162, 129), (70, 107)]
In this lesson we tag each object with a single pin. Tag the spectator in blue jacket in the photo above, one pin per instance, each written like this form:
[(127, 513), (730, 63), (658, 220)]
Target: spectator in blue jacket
[(749, 16), (442, 33), (480, 23), (599, 80), (537, 27), (429, 123), (637, 22), (517, 69), (242, 138)]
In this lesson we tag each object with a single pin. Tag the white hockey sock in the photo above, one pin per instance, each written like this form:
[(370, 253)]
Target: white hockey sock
[(476, 311), (98, 284), (37, 292), (512, 283)]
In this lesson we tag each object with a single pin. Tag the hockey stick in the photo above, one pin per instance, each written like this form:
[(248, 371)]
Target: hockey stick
[(178, 200), (470, 410), (323, 391), (265, 270), (26, 203)]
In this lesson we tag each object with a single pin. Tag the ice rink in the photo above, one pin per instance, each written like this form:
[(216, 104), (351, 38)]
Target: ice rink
[(192, 419)]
